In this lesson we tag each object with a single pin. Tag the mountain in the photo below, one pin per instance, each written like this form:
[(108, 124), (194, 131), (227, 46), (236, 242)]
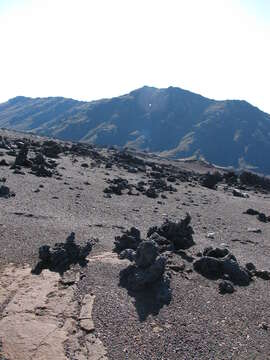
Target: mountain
[(173, 122)]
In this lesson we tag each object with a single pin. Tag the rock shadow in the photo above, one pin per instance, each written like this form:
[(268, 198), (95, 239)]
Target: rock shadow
[(151, 299)]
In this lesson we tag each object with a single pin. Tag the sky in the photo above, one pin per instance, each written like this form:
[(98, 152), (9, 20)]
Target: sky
[(92, 49)]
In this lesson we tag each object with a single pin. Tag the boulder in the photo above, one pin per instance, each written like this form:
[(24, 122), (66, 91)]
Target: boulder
[(263, 274), (128, 254), (211, 180), (136, 278), (208, 267), (146, 254), (52, 149), (61, 256), (5, 192), (217, 262), (251, 211), (178, 233), (129, 240), (21, 159), (226, 287), (238, 193)]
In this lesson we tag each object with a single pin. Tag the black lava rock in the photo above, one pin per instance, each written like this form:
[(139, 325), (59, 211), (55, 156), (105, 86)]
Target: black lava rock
[(178, 233), (136, 278), (61, 256), (252, 212), (5, 192), (208, 267), (129, 240), (211, 180), (213, 265), (226, 287), (146, 253), (128, 254)]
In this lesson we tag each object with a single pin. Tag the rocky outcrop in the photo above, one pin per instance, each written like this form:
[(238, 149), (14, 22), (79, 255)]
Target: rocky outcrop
[(216, 263), (211, 180), (129, 240), (148, 269), (178, 234), (60, 257), (43, 320)]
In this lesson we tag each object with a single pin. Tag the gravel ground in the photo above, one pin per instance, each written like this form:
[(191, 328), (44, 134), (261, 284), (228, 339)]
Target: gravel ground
[(199, 323)]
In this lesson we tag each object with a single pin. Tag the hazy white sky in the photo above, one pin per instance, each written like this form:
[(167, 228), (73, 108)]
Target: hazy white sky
[(90, 49)]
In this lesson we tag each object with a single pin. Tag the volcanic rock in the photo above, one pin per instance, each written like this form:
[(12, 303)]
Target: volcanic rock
[(226, 287), (129, 240), (238, 193), (51, 149), (211, 180), (21, 158), (146, 254), (219, 262), (136, 278), (263, 274), (252, 212), (60, 257), (178, 233), (128, 254), (5, 192)]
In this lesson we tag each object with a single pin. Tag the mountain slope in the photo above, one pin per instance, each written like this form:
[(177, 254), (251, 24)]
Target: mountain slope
[(174, 122)]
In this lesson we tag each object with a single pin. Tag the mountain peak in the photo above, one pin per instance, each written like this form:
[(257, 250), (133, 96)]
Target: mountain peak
[(172, 122)]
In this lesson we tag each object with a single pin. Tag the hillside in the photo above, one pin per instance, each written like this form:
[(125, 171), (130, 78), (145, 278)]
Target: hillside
[(173, 122), (109, 254)]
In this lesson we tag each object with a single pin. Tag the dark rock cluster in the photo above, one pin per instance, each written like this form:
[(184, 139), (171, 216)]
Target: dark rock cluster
[(147, 272), (170, 236), (127, 161), (39, 165), (61, 256), (148, 266), (147, 269), (146, 280), (129, 240), (158, 186), (117, 186), (254, 180), (244, 180), (5, 191), (260, 215), (253, 271), (42, 168), (211, 180), (173, 235), (21, 158), (219, 263), (240, 194), (230, 178), (52, 149)]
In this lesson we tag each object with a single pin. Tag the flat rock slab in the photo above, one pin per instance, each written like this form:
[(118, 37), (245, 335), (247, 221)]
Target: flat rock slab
[(86, 321), (40, 317)]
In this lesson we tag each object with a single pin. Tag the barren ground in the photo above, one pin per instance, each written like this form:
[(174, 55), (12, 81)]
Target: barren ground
[(199, 322)]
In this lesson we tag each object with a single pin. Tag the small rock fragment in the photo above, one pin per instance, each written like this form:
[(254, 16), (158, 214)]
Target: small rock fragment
[(226, 287), (254, 230)]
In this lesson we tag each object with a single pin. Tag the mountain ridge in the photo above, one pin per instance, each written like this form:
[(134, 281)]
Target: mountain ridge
[(172, 122)]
